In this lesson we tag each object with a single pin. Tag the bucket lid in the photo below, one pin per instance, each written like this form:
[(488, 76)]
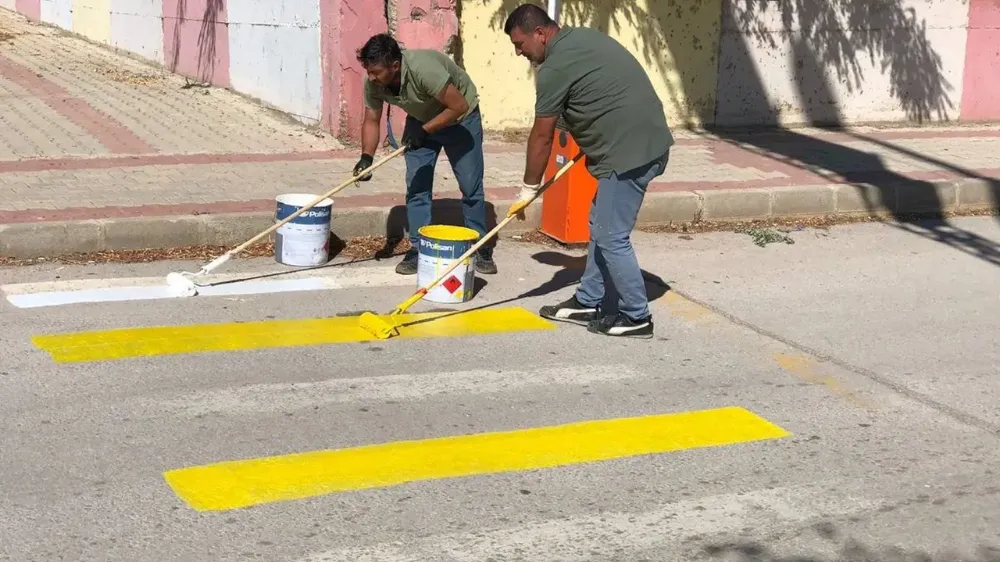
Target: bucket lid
[(449, 233), (301, 200)]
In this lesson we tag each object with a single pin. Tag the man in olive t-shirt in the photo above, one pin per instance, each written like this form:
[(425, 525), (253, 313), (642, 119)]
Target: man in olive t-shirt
[(610, 107), (442, 108)]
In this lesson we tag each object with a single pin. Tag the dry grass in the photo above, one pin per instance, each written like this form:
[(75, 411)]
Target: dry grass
[(368, 247), (129, 77)]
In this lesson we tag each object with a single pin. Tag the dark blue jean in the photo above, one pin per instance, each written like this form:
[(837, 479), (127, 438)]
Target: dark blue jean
[(463, 145), (611, 258)]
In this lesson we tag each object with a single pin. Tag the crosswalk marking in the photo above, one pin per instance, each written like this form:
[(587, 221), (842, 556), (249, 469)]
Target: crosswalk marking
[(107, 345), (286, 397), (614, 536), (241, 483), (78, 291)]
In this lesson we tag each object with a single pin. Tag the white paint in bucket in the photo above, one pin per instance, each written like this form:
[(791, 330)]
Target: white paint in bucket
[(439, 247), (305, 240)]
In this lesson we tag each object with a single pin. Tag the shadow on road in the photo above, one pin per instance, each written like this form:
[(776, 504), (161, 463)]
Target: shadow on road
[(570, 270), (445, 210), (850, 551)]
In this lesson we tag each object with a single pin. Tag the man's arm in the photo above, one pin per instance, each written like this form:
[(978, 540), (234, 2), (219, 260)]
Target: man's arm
[(539, 148), (552, 93), (370, 130), (454, 107)]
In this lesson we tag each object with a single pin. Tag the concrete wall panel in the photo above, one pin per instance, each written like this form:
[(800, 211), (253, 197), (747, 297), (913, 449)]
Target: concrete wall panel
[(275, 54), (785, 63), (92, 19), (58, 13), (137, 26), (982, 61), (31, 9), (196, 39)]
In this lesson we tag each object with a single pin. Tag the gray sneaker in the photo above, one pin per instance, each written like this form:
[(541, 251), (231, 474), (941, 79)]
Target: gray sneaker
[(485, 264), (408, 266), (570, 310)]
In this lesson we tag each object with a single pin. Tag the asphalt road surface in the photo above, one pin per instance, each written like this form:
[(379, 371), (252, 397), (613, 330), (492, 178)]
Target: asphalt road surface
[(832, 399)]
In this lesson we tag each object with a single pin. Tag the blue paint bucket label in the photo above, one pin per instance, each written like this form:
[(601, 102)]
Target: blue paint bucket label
[(305, 240), (438, 248)]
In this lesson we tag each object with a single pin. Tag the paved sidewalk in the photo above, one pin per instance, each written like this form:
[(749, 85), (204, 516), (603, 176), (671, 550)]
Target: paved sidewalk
[(99, 151)]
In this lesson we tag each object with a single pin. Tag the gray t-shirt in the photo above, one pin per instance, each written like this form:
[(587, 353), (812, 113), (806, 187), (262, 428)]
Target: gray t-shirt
[(605, 99)]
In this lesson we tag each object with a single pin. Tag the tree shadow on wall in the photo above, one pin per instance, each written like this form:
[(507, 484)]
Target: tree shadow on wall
[(681, 38), (207, 40), (856, 43), (839, 36), (918, 206)]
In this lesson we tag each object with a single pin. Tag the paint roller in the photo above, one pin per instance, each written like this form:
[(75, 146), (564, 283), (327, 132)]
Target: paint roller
[(181, 284)]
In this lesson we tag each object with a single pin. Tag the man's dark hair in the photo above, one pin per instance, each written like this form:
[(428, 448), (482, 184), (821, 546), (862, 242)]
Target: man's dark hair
[(527, 17), (380, 49)]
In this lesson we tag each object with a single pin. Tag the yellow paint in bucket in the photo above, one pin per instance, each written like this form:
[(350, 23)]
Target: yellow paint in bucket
[(438, 247)]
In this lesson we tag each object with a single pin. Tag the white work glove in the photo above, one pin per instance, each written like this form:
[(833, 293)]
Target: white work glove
[(527, 193)]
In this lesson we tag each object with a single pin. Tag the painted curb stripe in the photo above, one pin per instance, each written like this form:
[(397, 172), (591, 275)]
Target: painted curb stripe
[(242, 483), (235, 336)]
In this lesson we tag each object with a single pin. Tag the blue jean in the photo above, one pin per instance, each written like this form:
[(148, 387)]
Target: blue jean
[(463, 145), (611, 259)]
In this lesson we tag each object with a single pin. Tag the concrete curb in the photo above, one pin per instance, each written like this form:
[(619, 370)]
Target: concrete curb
[(50, 239)]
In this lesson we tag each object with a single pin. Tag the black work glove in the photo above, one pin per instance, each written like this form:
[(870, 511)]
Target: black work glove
[(363, 164), (414, 135)]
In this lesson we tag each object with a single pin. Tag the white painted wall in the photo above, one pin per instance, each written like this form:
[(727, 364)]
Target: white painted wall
[(137, 26), (58, 13), (274, 53), (9, 4), (771, 73)]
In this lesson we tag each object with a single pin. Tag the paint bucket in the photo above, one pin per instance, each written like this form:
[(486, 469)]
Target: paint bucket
[(439, 247), (304, 240)]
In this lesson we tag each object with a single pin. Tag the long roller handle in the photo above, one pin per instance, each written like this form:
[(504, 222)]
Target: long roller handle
[(316, 201), (492, 233)]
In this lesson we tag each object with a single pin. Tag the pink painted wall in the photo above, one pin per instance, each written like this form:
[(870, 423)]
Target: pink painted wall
[(424, 24), (346, 25), (196, 39), (981, 84), (31, 9)]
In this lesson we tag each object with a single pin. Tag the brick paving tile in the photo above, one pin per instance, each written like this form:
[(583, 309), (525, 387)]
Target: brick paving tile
[(87, 133)]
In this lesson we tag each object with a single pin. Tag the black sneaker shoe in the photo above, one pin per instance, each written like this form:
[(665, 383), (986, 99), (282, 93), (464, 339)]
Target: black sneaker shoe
[(569, 310), (409, 264), (485, 265), (622, 326)]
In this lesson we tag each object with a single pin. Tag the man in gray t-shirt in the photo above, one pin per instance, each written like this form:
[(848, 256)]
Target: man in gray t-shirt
[(610, 107)]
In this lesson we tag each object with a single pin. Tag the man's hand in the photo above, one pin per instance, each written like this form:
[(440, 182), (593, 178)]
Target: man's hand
[(528, 192), (414, 135), (363, 164)]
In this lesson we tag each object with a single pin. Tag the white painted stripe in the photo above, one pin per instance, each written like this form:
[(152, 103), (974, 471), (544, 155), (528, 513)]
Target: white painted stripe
[(55, 293), (292, 396), (614, 535)]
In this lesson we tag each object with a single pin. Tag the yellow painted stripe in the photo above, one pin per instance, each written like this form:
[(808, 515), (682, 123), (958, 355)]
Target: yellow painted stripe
[(169, 340), (235, 484)]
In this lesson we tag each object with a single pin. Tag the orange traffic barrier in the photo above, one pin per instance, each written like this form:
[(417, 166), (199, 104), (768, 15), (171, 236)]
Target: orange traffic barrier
[(566, 203)]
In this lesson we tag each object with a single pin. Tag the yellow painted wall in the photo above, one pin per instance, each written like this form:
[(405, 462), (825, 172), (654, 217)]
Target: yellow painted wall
[(676, 41), (92, 19)]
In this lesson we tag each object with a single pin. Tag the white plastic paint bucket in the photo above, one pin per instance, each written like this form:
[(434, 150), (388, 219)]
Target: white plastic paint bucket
[(439, 247), (304, 240)]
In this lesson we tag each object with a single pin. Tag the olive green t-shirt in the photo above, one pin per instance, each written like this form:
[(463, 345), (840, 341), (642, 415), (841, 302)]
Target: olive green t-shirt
[(423, 74), (605, 99)]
